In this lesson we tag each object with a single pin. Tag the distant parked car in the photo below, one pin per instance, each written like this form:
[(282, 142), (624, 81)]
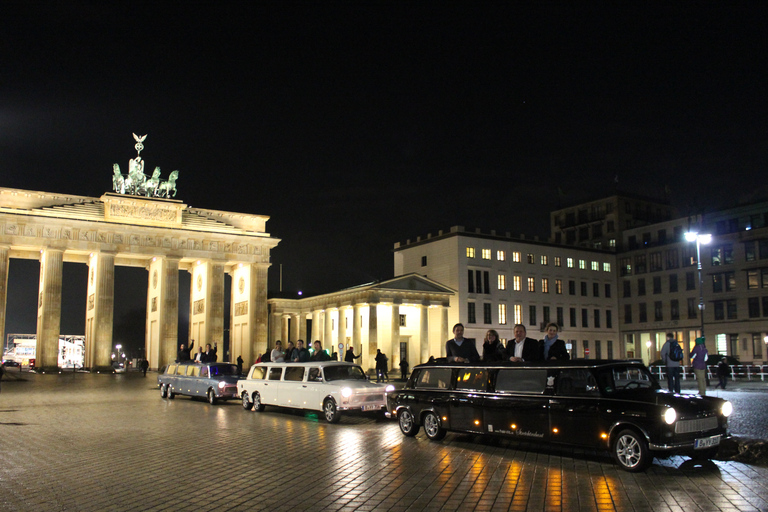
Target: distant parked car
[(8, 363), (330, 387), (214, 381)]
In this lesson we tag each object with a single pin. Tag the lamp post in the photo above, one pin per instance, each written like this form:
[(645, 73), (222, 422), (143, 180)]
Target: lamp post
[(117, 354), (699, 238)]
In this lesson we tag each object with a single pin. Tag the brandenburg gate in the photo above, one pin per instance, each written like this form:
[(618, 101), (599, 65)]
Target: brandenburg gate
[(139, 229)]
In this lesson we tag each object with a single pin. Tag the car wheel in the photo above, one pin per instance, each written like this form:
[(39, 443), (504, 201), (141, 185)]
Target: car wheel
[(211, 397), (171, 396), (432, 427), (408, 425), (247, 405), (332, 414), (257, 405), (163, 391), (631, 451)]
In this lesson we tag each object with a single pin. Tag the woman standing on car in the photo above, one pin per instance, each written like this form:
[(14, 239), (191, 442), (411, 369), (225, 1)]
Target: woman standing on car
[(552, 347), (493, 350)]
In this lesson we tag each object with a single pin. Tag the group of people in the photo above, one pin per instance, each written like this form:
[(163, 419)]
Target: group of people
[(520, 348), (185, 354), (699, 358), (296, 354)]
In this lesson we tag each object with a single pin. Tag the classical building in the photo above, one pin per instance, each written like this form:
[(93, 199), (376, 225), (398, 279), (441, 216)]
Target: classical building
[(161, 235), (502, 281), (405, 317)]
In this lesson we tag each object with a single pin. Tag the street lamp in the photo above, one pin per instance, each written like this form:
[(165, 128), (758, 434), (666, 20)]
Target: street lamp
[(117, 350), (699, 238)]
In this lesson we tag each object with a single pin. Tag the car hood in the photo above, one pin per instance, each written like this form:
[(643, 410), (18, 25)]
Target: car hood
[(358, 384), (686, 405)]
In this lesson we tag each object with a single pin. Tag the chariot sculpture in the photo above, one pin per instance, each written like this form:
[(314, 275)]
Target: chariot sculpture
[(137, 183)]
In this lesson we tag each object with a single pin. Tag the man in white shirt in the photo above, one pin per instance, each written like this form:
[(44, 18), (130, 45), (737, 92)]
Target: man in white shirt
[(521, 348)]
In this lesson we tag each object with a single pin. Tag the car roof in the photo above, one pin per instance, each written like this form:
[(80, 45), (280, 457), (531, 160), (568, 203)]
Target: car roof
[(573, 363), (309, 363)]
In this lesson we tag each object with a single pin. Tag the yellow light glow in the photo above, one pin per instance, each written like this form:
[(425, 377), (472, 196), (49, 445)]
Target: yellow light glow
[(513, 426), (477, 422), (604, 435), (554, 431), (445, 418)]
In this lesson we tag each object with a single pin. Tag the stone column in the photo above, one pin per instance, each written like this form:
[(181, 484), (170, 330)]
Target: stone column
[(357, 327), (285, 335), (100, 311), (260, 309), (162, 340), (215, 301), (4, 261), (342, 325), (423, 337), (295, 334), (394, 344), (49, 309), (327, 327), (317, 328), (302, 319), (444, 336), (373, 335)]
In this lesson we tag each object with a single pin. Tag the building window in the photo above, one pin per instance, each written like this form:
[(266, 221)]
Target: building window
[(674, 309), (501, 255), (598, 350), (531, 284), (486, 254), (517, 284), (640, 287), (730, 281), (582, 264), (597, 318), (557, 262), (544, 259), (487, 313), (544, 285), (585, 317), (470, 252), (487, 281), (545, 314), (569, 262), (655, 261), (673, 283), (764, 277), (658, 314), (722, 255), (402, 321), (572, 287), (640, 264), (754, 307), (762, 248), (470, 312), (719, 310), (627, 314), (560, 318), (518, 313), (583, 288), (572, 314), (643, 313), (531, 315), (612, 242), (516, 256), (753, 281), (423, 261), (692, 308), (765, 306), (502, 281), (757, 346), (606, 267), (657, 285), (625, 266), (529, 258), (689, 255), (717, 283), (609, 319), (673, 261), (470, 281), (690, 281), (608, 290), (731, 309), (559, 288), (502, 314), (595, 289), (750, 254), (595, 266), (627, 287)]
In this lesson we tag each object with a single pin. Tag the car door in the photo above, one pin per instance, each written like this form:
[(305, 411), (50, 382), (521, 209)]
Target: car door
[(292, 387), (574, 409), (316, 389), (466, 402), (519, 405), (271, 386)]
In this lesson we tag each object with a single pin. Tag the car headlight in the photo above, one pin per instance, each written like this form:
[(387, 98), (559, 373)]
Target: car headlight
[(670, 415), (390, 388), (222, 384), (726, 409), (346, 392)]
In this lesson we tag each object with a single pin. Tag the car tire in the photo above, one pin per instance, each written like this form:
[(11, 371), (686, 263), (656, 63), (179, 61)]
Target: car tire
[(170, 393), (432, 427), (257, 405), (330, 411), (212, 397), (247, 405), (631, 452), (163, 391), (407, 422)]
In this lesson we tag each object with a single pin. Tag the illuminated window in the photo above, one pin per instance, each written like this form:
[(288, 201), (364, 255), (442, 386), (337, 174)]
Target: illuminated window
[(569, 262), (486, 254), (518, 313), (531, 284), (544, 259), (501, 255), (582, 264), (516, 284), (559, 289), (516, 256), (470, 252), (606, 267), (612, 242), (502, 282), (595, 266), (529, 258), (503, 314), (557, 261), (545, 285)]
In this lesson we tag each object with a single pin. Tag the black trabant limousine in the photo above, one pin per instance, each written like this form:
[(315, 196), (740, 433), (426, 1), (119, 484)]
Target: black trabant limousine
[(613, 405)]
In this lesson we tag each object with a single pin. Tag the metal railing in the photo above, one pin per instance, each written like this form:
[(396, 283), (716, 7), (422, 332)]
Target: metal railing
[(748, 372)]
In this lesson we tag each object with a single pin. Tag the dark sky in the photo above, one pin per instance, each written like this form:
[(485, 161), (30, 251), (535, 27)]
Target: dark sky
[(354, 125)]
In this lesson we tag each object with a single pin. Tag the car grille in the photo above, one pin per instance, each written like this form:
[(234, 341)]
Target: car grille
[(362, 399), (230, 390), (698, 425)]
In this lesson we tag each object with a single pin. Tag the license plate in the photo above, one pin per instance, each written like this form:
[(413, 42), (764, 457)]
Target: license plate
[(371, 407), (706, 442)]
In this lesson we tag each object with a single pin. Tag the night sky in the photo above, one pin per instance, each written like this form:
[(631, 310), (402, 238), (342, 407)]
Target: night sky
[(354, 125)]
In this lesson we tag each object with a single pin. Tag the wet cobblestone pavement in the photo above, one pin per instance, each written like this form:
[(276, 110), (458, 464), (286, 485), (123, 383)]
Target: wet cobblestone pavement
[(109, 442)]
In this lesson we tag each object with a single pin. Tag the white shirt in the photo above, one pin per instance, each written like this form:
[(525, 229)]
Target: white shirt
[(519, 348)]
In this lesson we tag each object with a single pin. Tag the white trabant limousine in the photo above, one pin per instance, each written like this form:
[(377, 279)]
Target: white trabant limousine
[(330, 387)]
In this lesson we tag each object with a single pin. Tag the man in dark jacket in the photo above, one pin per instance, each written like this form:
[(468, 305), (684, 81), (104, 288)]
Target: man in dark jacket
[(349, 355), (183, 353), (460, 350), (301, 354), (209, 356), (522, 348)]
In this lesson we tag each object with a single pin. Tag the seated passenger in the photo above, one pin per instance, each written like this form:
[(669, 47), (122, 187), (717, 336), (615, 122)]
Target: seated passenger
[(319, 354), (301, 354)]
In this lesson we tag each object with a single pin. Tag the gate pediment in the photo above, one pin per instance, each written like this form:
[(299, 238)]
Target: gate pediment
[(140, 210)]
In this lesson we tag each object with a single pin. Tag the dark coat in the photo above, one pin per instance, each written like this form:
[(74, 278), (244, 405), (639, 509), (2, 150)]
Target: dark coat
[(493, 351), (558, 351), (531, 349), (467, 350), (349, 355)]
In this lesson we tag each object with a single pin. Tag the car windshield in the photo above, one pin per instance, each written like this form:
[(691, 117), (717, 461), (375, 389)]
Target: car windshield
[(343, 373), (224, 369), (620, 378)]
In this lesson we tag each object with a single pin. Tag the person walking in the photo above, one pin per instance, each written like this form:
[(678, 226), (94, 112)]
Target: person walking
[(381, 366), (239, 365), (403, 369), (699, 358), (723, 370), (672, 364), (144, 366)]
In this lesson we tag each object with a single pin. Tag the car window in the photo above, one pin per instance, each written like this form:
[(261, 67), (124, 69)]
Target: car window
[(315, 375), (474, 379), (433, 378), (204, 372), (618, 378), (223, 369), (577, 382), (193, 371), (275, 373), (523, 380), (295, 374), (343, 373), (171, 369), (181, 370), (259, 373)]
